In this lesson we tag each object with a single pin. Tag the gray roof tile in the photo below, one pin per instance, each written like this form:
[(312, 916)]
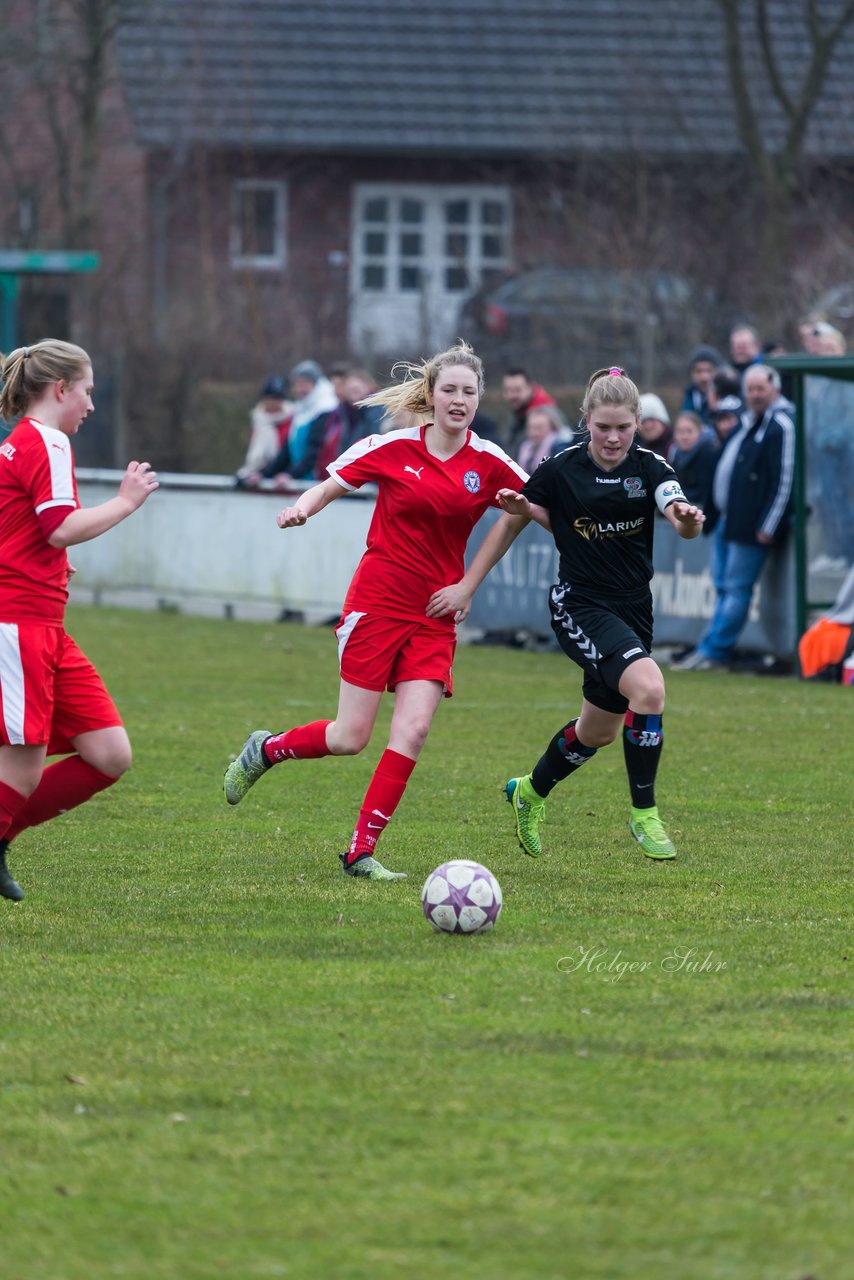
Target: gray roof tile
[(492, 77)]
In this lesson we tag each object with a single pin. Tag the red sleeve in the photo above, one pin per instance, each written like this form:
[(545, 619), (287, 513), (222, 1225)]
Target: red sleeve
[(362, 463), (47, 473), (505, 474), (51, 518)]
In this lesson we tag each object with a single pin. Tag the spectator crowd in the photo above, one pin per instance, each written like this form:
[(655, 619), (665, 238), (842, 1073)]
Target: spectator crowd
[(730, 442)]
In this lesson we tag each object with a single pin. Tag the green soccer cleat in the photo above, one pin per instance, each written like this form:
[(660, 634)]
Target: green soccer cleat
[(245, 771), (367, 868), (529, 809), (648, 829), (9, 887)]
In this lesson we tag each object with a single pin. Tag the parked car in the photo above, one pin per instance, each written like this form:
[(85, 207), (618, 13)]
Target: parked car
[(566, 321)]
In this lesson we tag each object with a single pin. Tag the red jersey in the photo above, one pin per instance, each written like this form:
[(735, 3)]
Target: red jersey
[(37, 491), (426, 509)]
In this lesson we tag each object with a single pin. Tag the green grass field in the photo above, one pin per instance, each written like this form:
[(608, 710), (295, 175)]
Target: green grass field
[(220, 1057)]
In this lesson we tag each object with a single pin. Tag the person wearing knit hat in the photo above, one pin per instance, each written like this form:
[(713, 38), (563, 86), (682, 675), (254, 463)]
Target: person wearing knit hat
[(726, 416), (310, 371), (701, 369), (268, 424), (655, 431)]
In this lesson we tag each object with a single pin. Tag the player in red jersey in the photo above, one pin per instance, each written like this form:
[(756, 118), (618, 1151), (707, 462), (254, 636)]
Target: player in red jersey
[(52, 700), (434, 483)]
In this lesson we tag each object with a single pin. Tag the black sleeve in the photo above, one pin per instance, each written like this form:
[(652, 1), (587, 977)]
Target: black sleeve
[(538, 488)]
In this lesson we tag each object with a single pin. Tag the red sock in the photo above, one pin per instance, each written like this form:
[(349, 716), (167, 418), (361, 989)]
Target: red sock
[(305, 742), (64, 785), (11, 804), (384, 794)]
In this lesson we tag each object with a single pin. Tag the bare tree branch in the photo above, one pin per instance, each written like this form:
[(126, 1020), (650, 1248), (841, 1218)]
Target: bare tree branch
[(823, 48), (745, 112), (778, 171), (768, 57)]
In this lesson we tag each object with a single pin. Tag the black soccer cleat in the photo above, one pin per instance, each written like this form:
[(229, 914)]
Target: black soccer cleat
[(9, 887)]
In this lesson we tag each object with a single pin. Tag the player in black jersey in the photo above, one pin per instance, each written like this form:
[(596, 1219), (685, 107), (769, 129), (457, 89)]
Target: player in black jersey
[(599, 500)]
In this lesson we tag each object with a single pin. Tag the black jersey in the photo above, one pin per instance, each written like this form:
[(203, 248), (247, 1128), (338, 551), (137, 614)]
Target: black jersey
[(602, 521)]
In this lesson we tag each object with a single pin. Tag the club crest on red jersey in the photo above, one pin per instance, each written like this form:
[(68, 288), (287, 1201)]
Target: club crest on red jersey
[(471, 480)]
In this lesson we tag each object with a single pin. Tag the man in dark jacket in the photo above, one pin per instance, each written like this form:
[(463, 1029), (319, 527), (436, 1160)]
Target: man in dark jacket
[(702, 365), (520, 394), (753, 493)]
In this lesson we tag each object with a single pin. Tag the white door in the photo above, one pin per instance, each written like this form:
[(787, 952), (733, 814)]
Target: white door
[(417, 251)]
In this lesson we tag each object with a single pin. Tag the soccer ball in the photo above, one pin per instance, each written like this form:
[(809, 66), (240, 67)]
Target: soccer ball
[(461, 897)]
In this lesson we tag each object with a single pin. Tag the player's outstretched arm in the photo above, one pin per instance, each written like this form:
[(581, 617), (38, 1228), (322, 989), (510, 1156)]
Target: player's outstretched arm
[(309, 503), (87, 523), (686, 519), (516, 504), (456, 598)]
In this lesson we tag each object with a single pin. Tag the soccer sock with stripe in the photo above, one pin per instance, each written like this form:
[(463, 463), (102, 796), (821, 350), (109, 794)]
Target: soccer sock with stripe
[(305, 742), (643, 739), (564, 754), (382, 797), (64, 785), (11, 804)]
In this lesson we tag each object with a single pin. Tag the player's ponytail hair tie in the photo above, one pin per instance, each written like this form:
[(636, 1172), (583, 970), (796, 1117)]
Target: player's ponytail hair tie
[(26, 352), (610, 386)]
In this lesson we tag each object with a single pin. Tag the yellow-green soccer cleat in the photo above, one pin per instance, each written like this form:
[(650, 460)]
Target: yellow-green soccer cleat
[(245, 771), (648, 829), (529, 809), (367, 868)]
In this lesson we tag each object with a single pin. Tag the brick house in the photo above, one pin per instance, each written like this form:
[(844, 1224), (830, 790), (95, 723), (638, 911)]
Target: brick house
[(278, 179)]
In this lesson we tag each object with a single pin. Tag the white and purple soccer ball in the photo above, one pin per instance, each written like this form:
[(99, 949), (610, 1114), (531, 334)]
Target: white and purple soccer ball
[(461, 897)]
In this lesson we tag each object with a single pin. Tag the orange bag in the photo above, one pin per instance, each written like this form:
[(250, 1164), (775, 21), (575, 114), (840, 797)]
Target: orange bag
[(822, 648)]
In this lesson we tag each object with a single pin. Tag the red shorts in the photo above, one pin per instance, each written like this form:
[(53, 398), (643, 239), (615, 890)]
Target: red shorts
[(378, 653), (49, 690)]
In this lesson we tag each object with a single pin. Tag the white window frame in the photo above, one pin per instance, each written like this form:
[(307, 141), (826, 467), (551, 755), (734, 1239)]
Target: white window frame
[(260, 261), (434, 194)]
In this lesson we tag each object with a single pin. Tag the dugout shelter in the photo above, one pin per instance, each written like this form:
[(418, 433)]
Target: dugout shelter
[(822, 389)]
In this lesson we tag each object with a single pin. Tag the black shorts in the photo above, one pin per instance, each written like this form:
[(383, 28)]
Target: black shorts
[(603, 638)]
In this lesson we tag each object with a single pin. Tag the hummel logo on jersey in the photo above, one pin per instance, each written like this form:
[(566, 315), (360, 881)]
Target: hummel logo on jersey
[(603, 480), (7, 450), (417, 473)]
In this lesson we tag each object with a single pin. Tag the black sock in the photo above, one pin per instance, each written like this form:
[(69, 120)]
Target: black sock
[(562, 756), (643, 739)]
